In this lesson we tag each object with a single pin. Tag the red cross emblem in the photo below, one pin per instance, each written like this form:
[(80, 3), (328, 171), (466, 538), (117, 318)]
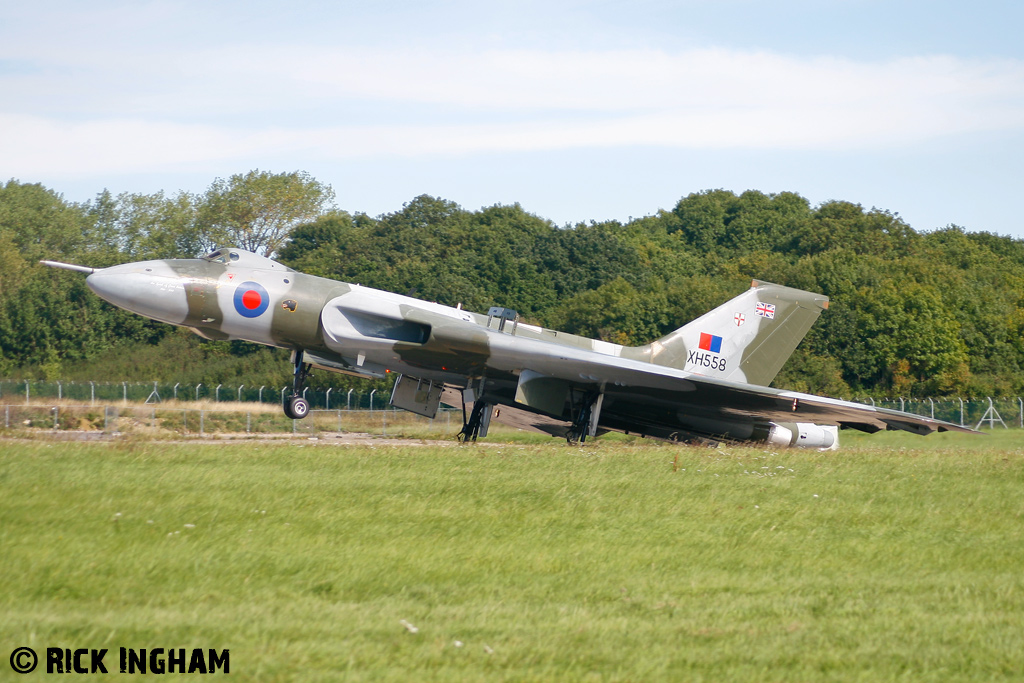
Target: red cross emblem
[(740, 319)]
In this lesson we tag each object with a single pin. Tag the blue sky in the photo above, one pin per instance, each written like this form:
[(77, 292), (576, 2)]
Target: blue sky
[(578, 110)]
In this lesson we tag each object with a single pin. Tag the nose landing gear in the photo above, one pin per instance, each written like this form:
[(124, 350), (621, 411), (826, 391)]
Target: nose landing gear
[(295, 406)]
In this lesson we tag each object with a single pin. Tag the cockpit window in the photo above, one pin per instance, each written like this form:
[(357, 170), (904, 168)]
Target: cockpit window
[(242, 258), (219, 256)]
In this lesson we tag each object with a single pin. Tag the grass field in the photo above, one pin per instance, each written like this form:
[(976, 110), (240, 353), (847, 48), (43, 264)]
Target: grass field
[(896, 558)]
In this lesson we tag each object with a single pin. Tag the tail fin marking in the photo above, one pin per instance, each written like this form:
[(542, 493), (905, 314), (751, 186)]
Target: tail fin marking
[(747, 339)]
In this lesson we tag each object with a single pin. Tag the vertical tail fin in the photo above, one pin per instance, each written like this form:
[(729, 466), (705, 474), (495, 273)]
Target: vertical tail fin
[(747, 339)]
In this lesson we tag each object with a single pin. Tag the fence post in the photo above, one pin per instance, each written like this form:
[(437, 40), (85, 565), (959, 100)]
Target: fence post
[(328, 405), (991, 415), (240, 393), (26, 392), (124, 387), (261, 393), (371, 399), (92, 394), (176, 390), (60, 391), (961, 410), (216, 394), (348, 400), (197, 390)]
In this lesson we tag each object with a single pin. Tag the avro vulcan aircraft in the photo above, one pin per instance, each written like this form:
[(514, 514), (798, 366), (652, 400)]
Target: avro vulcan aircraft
[(707, 381)]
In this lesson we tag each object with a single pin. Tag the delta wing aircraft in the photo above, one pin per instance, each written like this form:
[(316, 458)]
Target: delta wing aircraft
[(707, 381)]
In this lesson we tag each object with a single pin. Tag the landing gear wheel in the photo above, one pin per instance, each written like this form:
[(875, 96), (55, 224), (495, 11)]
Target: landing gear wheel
[(296, 408)]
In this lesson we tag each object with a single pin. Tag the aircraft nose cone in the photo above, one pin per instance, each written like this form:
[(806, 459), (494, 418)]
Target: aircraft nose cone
[(149, 288)]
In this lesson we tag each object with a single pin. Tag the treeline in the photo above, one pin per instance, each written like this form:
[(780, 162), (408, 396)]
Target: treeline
[(912, 313)]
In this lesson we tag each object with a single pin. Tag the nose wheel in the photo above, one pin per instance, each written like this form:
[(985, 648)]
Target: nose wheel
[(296, 407)]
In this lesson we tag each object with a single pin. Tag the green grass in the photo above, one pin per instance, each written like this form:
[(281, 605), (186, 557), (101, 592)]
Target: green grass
[(897, 558)]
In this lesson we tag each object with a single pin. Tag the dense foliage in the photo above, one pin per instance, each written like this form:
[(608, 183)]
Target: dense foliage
[(912, 313)]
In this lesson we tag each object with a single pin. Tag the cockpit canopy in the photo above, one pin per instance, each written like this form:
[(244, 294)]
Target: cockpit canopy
[(230, 255)]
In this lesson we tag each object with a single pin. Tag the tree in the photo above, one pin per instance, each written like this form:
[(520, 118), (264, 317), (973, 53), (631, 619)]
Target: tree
[(912, 313), (41, 224), (616, 312), (146, 226), (256, 211)]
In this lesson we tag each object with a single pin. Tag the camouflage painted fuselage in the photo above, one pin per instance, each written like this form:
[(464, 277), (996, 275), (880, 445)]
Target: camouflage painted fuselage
[(708, 378), (340, 326)]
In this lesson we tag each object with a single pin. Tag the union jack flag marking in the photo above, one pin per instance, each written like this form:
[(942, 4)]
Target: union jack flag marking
[(765, 310)]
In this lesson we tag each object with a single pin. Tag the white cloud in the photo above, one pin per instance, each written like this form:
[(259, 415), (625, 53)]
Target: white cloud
[(631, 80), (92, 113)]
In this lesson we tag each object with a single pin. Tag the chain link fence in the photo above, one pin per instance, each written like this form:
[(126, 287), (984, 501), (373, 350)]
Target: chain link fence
[(983, 412), (165, 398), (26, 392), (85, 422)]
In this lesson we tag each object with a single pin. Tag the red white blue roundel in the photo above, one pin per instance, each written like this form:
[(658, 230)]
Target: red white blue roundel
[(251, 300)]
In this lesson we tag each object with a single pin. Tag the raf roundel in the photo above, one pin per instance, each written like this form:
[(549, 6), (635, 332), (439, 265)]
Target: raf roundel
[(251, 299)]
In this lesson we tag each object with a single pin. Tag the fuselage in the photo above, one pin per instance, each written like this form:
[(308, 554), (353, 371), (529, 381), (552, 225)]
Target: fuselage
[(234, 294), (694, 381)]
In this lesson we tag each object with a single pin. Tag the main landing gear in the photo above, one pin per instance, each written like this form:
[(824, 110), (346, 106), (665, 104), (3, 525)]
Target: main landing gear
[(477, 423), (295, 406), (585, 420)]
